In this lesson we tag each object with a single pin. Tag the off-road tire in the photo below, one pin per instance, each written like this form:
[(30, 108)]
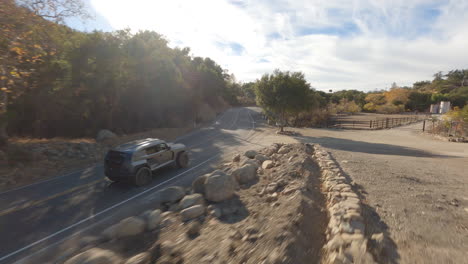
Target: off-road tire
[(182, 160), (143, 176)]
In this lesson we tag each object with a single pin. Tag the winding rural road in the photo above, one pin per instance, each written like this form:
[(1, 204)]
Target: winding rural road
[(38, 217)]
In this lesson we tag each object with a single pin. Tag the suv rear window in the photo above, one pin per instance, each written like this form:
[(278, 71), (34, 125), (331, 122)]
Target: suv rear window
[(116, 157)]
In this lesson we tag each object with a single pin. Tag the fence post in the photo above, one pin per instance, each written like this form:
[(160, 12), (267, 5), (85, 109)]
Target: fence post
[(386, 123), (370, 124), (353, 123), (424, 125)]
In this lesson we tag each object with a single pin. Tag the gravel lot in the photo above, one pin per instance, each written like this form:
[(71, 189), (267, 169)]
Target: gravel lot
[(416, 189)]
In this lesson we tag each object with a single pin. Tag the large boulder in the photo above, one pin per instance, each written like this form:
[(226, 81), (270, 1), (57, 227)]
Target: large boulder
[(270, 151), (261, 158), (254, 162), (284, 149), (131, 226), (191, 200), (192, 212), (267, 164), (172, 194), (250, 154), (127, 227), (142, 258), (276, 146), (95, 256), (153, 218), (245, 174), (104, 134), (198, 185), (219, 186)]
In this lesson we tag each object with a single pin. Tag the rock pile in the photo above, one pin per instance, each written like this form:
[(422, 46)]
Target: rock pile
[(60, 150), (217, 188), (250, 210), (457, 139), (346, 229)]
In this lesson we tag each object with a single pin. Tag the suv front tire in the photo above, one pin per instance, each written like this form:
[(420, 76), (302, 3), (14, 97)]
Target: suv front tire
[(182, 160)]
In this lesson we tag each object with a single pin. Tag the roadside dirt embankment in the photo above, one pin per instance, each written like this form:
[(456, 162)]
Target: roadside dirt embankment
[(29, 160), (282, 204), (262, 207)]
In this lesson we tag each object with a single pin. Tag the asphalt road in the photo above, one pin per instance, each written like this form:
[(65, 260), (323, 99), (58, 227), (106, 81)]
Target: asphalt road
[(36, 218)]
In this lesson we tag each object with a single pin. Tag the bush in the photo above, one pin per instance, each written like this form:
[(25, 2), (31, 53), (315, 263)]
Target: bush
[(390, 109), (458, 114), (312, 118), (370, 107), (344, 106)]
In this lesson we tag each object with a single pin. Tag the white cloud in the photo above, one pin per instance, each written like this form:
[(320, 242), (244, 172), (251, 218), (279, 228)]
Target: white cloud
[(364, 45)]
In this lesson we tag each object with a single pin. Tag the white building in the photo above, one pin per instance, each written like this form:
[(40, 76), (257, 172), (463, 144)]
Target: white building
[(434, 108), (444, 107)]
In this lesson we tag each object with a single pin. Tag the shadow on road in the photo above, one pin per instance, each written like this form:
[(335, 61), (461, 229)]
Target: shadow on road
[(367, 147)]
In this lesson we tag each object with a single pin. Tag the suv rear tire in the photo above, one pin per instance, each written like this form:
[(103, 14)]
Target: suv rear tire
[(143, 176), (182, 160)]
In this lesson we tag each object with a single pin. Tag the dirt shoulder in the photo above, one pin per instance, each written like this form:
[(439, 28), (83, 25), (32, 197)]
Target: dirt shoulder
[(415, 189)]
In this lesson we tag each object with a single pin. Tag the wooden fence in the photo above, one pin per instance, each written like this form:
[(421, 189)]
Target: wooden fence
[(373, 124)]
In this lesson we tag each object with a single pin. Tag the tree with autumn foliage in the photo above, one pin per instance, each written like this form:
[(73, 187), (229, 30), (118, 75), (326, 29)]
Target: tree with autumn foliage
[(65, 83), (27, 41)]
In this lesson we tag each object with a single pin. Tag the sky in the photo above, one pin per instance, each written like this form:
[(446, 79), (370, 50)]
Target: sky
[(338, 44)]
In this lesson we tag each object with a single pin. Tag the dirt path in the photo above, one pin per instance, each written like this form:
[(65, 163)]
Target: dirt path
[(416, 189)]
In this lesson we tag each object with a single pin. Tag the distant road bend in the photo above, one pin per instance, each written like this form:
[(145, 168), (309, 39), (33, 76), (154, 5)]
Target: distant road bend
[(41, 215)]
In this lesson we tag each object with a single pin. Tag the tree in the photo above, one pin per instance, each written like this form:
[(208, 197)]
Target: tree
[(25, 43), (376, 98), (248, 90), (351, 95), (438, 76), (437, 98), (421, 85), (56, 10), (418, 101), (283, 94), (397, 96)]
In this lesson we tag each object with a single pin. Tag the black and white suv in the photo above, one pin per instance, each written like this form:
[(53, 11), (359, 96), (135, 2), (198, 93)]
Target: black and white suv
[(136, 160)]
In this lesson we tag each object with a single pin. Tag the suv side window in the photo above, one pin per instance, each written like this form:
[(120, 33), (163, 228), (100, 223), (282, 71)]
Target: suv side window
[(151, 150), (161, 147)]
